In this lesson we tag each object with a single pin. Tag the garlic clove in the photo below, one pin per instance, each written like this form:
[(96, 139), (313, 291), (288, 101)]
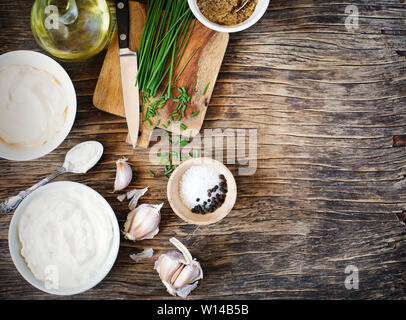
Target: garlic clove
[(176, 274), (167, 264), (189, 274), (143, 222), (124, 174)]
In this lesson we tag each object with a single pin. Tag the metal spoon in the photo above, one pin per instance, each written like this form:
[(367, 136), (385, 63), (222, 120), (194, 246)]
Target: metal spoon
[(11, 203)]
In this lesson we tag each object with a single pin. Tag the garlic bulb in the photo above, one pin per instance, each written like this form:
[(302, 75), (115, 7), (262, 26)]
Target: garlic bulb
[(124, 174), (178, 271), (143, 222)]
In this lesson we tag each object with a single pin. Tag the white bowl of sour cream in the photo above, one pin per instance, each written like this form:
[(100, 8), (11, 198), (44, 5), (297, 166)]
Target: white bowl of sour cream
[(38, 105), (64, 238)]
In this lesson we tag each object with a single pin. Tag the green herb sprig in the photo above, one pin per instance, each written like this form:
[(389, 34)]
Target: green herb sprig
[(163, 42)]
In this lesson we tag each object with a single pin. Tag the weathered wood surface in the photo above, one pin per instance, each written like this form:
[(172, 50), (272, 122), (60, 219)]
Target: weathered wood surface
[(326, 103)]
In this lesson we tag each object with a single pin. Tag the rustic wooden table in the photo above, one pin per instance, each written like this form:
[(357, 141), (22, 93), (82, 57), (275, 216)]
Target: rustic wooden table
[(326, 102)]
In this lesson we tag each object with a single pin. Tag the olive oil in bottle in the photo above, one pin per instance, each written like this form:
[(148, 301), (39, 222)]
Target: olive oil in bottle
[(71, 30)]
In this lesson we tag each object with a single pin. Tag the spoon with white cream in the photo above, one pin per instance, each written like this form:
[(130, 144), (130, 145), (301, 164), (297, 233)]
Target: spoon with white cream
[(80, 159)]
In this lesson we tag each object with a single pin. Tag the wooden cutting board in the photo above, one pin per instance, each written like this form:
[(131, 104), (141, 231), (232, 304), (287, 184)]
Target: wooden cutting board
[(201, 71)]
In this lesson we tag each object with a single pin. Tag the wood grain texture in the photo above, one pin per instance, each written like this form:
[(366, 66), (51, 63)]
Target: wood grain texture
[(329, 185)]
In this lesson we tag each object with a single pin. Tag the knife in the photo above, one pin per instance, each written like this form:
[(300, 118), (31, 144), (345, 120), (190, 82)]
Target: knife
[(129, 67)]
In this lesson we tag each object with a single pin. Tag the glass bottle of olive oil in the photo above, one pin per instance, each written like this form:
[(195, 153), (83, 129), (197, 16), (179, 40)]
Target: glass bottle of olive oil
[(71, 30)]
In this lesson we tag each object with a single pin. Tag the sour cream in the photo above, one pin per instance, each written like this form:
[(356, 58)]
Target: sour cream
[(33, 106), (66, 231), (82, 157)]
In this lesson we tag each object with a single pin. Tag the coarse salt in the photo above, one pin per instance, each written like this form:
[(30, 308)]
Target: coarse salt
[(196, 182)]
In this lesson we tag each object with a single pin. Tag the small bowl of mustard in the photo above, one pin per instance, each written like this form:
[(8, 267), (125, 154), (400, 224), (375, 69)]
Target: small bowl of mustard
[(228, 15)]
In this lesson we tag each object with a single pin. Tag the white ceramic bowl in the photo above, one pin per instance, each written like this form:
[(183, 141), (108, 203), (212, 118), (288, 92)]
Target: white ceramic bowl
[(15, 246), (259, 11), (42, 62)]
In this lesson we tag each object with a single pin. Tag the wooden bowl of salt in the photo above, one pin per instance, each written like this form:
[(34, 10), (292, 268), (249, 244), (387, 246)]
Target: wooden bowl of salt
[(202, 191)]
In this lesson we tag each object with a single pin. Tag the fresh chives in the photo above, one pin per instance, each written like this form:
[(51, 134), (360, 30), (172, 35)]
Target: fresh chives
[(168, 28), (194, 86), (205, 88), (161, 41), (186, 63), (183, 142)]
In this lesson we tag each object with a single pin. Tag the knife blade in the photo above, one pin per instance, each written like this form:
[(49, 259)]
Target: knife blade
[(128, 67)]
